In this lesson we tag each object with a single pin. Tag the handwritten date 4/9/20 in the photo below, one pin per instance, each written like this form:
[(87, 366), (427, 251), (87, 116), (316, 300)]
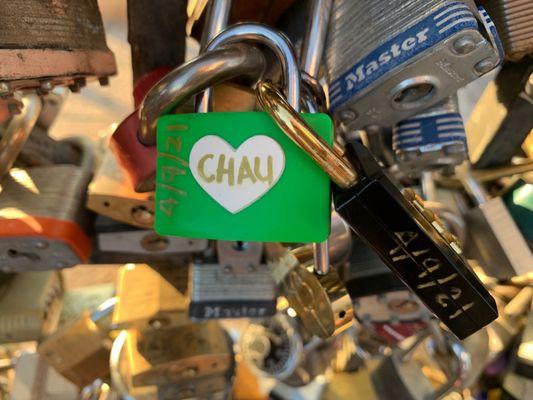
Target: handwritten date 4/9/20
[(435, 273)]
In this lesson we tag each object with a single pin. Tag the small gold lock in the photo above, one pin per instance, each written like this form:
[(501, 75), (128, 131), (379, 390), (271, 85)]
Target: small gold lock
[(150, 295), (79, 351)]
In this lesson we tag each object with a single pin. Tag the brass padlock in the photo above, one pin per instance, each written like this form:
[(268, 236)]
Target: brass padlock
[(180, 353), (320, 301), (111, 194), (30, 305), (150, 294), (179, 362), (80, 350)]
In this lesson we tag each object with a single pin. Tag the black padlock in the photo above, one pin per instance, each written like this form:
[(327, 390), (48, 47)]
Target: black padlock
[(409, 238)]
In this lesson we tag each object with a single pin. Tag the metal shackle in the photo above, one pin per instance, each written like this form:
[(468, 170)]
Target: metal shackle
[(273, 39), (294, 126), (212, 67)]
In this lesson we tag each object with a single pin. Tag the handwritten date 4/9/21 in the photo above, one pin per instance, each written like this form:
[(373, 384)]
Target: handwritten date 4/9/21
[(169, 173), (432, 265)]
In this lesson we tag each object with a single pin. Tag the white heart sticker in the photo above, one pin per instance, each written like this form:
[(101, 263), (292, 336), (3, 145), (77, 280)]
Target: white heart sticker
[(236, 178)]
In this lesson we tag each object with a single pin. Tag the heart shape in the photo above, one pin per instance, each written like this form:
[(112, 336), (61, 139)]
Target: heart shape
[(236, 178)]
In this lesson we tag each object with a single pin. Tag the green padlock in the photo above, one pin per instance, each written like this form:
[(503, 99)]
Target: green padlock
[(236, 176)]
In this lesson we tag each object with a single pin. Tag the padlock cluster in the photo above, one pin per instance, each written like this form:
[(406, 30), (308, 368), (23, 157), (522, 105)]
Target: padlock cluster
[(308, 200)]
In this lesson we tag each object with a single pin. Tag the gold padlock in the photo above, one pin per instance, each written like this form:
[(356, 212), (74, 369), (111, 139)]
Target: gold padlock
[(320, 301), (188, 361), (150, 295), (79, 351), (30, 305), (179, 353)]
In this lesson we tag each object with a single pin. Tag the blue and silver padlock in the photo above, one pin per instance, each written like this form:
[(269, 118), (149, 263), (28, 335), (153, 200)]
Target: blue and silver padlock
[(388, 60)]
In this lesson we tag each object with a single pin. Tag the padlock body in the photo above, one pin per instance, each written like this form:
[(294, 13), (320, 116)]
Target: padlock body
[(237, 176), (409, 245), (388, 60)]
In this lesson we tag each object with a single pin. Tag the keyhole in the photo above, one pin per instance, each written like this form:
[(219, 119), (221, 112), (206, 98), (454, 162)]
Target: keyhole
[(17, 254)]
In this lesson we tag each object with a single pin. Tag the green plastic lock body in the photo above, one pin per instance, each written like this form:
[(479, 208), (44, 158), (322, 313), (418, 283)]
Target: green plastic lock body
[(294, 208)]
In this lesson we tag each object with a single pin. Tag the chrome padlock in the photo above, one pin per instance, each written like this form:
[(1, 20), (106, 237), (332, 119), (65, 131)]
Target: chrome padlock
[(401, 376), (119, 243), (80, 350), (502, 117), (30, 306), (432, 139), (513, 21), (493, 235), (388, 60), (41, 149), (16, 130), (280, 348), (339, 243), (151, 295), (320, 301), (238, 285), (43, 221)]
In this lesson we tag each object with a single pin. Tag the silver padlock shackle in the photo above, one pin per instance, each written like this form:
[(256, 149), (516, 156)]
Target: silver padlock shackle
[(225, 63), (17, 131), (461, 369), (315, 37), (216, 20), (271, 38)]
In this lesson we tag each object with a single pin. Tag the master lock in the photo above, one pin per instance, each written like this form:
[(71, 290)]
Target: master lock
[(239, 167), (238, 285), (408, 237), (388, 60), (43, 220), (432, 139)]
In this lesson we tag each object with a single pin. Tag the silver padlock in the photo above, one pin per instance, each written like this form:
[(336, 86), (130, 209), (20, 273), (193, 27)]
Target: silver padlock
[(30, 306), (401, 376), (111, 194), (237, 285), (503, 116), (17, 131), (493, 236), (118, 243), (388, 60), (432, 139), (43, 219)]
